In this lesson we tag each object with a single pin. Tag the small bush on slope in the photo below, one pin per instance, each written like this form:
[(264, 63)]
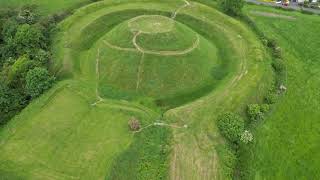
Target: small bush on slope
[(232, 7), (254, 112), (231, 126)]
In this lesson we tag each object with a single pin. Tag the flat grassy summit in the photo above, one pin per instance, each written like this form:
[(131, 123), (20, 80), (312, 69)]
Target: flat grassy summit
[(154, 56)]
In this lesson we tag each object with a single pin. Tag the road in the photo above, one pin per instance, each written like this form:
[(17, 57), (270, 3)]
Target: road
[(294, 6)]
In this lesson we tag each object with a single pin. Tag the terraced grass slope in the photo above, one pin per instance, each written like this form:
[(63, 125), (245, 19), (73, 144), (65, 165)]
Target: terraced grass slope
[(288, 141), (174, 65)]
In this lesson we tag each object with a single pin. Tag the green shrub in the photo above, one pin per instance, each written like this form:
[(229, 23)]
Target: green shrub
[(277, 52), (254, 112), (232, 7), (271, 98), (11, 101), (264, 108), (272, 43), (38, 80), (231, 126), (278, 65)]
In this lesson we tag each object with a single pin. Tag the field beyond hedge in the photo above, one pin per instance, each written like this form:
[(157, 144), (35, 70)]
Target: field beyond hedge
[(287, 143)]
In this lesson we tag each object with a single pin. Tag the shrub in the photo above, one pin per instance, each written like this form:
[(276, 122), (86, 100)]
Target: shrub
[(264, 108), (277, 52), (38, 80), (246, 137), (271, 98), (254, 112), (10, 102), (134, 124), (278, 65), (41, 56), (232, 7), (28, 14), (272, 43), (231, 126)]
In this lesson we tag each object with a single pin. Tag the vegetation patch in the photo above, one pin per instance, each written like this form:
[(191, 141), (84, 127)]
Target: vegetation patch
[(167, 68)]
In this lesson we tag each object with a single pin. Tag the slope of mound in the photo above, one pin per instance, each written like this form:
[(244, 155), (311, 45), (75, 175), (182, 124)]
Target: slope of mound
[(154, 56)]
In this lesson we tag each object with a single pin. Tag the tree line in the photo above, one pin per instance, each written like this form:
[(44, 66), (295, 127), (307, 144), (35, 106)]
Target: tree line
[(24, 58)]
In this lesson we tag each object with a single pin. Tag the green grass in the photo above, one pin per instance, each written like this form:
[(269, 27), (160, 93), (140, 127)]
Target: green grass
[(287, 142), (160, 76), (144, 159), (73, 134), (44, 6)]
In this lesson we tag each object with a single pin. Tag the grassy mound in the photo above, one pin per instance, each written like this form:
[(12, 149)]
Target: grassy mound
[(123, 57), (156, 63)]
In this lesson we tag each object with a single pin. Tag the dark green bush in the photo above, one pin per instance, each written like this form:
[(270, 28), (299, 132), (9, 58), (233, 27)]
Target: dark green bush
[(232, 7), (278, 65), (231, 126), (38, 80)]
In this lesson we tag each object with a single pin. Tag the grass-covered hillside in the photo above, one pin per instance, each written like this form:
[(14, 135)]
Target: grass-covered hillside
[(149, 89), (172, 65), (287, 142)]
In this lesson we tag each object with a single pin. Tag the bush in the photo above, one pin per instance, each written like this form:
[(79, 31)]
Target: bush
[(264, 108), (38, 80), (134, 124), (246, 137), (272, 43), (278, 65), (231, 126), (277, 52), (271, 98), (10, 102), (42, 57), (254, 112), (232, 7)]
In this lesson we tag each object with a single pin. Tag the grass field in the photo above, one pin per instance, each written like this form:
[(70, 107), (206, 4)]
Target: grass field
[(287, 142), (45, 6), (113, 66)]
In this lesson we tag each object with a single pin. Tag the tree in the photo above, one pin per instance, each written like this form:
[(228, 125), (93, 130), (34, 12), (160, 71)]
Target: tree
[(38, 80), (28, 14), (28, 39), (18, 71), (10, 102), (9, 29), (232, 7), (41, 57), (231, 126)]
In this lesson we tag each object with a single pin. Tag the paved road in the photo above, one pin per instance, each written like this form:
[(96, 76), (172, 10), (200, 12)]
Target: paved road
[(294, 6)]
